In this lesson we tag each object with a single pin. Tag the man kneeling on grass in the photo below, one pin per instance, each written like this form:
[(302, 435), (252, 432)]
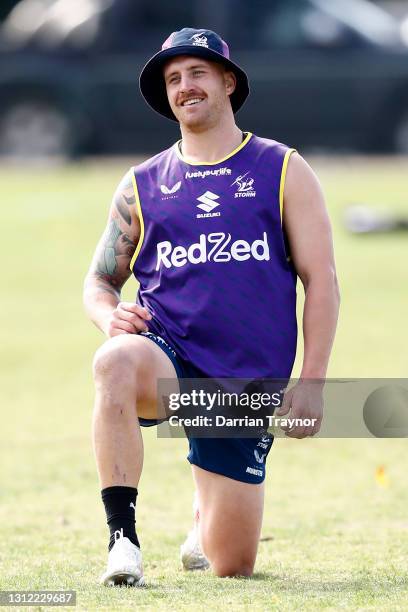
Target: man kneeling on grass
[(213, 301)]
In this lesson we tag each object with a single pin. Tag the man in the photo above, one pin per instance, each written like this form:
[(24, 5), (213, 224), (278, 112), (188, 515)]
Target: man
[(216, 230)]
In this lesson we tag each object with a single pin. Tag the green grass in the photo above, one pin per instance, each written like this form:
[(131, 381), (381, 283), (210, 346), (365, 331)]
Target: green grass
[(334, 539)]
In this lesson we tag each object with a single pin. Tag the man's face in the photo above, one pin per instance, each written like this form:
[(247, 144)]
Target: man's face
[(198, 90)]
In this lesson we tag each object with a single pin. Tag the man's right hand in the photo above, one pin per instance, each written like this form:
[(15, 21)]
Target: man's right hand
[(127, 318)]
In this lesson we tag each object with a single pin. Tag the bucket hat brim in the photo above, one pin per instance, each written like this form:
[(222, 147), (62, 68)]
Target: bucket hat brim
[(153, 87)]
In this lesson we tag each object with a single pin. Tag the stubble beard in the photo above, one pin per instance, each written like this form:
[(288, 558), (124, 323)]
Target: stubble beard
[(205, 121)]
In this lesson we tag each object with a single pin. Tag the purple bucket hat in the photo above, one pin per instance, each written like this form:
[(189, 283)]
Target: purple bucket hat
[(198, 43)]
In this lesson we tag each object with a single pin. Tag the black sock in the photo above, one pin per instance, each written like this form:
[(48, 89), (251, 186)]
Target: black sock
[(120, 504)]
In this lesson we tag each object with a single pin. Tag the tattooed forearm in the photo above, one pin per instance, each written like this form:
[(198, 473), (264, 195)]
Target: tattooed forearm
[(101, 285)]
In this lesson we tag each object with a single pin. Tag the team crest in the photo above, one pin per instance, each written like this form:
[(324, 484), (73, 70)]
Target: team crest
[(244, 186), (199, 40)]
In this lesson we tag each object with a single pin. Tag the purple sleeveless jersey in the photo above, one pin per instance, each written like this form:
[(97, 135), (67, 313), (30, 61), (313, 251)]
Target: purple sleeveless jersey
[(212, 260)]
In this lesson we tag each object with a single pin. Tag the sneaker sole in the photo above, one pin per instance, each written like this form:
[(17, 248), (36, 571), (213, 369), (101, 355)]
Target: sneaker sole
[(192, 564), (123, 579)]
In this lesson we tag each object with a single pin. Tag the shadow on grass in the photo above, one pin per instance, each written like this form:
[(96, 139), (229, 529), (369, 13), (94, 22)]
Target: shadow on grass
[(319, 585)]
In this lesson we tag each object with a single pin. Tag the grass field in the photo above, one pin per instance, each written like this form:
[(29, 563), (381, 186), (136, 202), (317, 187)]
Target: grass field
[(333, 538)]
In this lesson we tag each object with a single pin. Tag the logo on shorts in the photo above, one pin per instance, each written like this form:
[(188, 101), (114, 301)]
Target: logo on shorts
[(258, 457), (208, 203), (254, 471), (265, 442), (244, 186)]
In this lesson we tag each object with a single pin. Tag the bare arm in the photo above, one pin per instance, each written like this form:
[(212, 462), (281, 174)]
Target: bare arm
[(309, 232), (110, 270), (308, 228)]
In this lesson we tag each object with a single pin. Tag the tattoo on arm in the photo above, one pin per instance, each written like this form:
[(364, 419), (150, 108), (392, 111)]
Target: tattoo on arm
[(110, 266), (129, 200), (106, 264), (123, 211)]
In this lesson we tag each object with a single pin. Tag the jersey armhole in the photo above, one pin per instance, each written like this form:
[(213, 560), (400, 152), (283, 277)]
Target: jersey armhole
[(283, 179), (141, 221)]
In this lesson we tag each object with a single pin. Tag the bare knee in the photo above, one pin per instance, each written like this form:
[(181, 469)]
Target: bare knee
[(118, 358), (229, 560), (224, 568), (126, 369)]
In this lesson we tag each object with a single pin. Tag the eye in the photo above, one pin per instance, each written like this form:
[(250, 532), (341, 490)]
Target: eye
[(198, 72)]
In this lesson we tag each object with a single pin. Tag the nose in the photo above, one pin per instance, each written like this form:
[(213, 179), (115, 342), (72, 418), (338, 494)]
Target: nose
[(185, 82)]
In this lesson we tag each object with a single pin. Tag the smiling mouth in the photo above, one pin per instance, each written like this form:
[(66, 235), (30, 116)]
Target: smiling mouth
[(192, 101)]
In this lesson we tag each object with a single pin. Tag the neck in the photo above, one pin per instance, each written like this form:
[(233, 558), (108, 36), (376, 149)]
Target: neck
[(211, 144)]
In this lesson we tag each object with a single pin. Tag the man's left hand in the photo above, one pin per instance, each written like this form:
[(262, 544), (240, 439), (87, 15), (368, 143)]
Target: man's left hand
[(303, 401)]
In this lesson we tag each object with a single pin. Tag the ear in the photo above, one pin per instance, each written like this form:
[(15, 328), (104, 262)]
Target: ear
[(230, 82)]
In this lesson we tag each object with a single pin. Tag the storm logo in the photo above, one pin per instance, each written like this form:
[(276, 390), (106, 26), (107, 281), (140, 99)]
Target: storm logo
[(199, 39)]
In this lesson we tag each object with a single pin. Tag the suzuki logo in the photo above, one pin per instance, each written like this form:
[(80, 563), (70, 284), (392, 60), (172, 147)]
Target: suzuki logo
[(208, 201)]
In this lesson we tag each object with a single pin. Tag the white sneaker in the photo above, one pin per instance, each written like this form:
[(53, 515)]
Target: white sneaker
[(124, 564), (192, 557)]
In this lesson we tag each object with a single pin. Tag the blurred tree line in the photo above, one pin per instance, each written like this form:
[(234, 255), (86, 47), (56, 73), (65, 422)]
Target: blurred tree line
[(7, 5)]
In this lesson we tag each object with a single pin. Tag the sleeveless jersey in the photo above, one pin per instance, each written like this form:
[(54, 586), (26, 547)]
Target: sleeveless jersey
[(212, 259)]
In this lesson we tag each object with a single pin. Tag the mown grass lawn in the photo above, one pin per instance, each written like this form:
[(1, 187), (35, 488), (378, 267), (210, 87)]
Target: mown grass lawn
[(333, 538)]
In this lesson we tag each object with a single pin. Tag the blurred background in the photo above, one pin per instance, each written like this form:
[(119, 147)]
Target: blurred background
[(329, 77), (325, 74)]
